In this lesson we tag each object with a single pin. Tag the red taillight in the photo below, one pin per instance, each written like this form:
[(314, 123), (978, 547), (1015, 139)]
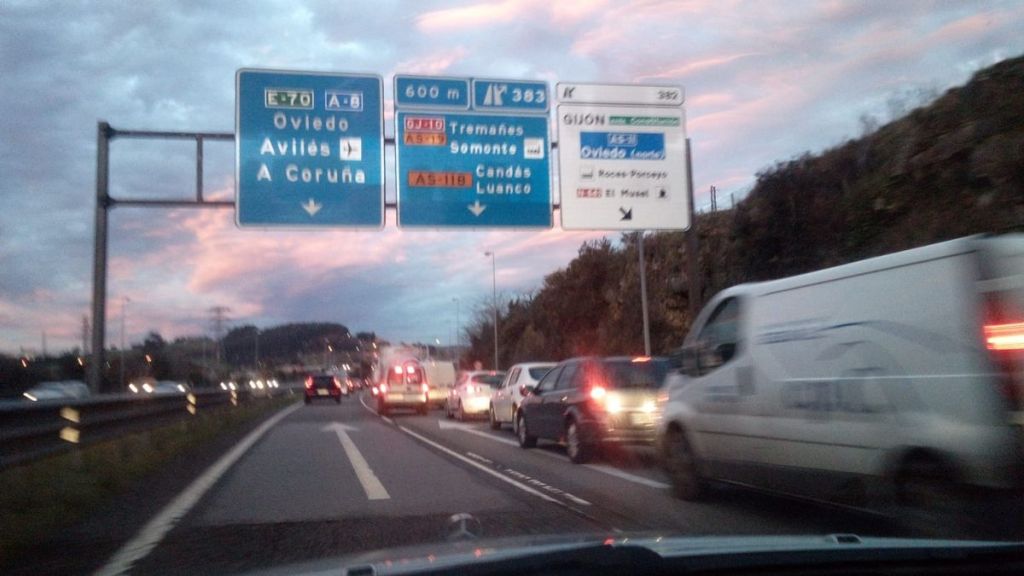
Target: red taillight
[(1005, 336), (309, 382), (383, 388), (337, 383), (1005, 342), (425, 388)]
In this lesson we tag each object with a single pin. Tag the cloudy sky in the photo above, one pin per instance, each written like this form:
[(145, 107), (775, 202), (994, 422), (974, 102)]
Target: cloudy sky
[(764, 82)]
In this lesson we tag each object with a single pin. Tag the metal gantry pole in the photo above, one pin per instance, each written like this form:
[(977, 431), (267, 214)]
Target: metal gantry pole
[(99, 258), (643, 292)]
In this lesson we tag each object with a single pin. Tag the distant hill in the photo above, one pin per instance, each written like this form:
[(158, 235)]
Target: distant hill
[(948, 169)]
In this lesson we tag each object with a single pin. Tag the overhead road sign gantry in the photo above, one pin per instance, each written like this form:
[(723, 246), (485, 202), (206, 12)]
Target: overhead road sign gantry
[(622, 157), (309, 149), (472, 153)]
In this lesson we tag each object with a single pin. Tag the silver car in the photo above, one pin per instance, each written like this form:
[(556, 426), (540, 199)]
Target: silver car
[(471, 395), (508, 396)]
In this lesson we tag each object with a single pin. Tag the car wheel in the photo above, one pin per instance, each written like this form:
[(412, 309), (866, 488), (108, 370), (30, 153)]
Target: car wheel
[(579, 452), (422, 410), (338, 399), (447, 410), (681, 466), (928, 498), (306, 400), (495, 425), (460, 415), (526, 440)]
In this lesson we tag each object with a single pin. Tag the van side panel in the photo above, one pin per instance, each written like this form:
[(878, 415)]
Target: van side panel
[(854, 368)]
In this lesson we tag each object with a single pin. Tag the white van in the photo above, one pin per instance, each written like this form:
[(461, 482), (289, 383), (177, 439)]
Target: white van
[(875, 383), (441, 379)]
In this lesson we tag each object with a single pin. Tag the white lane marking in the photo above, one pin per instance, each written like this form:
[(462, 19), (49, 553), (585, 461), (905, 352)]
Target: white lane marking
[(544, 486), (479, 457), (150, 535), (479, 466), (445, 425), (627, 476), (611, 471), (385, 418), (371, 484)]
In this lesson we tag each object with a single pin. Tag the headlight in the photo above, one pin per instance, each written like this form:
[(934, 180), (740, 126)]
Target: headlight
[(614, 405), (223, 386), (133, 388)]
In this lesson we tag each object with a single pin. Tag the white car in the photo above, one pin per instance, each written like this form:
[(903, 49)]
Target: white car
[(63, 389), (889, 381), (505, 399), (471, 395)]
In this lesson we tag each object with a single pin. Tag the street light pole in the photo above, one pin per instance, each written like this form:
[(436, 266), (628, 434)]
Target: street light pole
[(643, 292), (256, 350), (458, 333), (494, 304), (124, 310)]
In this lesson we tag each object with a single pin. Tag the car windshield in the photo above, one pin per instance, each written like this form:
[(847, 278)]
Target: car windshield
[(288, 282), (492, 380)]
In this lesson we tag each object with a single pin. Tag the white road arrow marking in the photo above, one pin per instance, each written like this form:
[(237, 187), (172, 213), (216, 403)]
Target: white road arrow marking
[(371, 485), (477, 208), (311, 207)]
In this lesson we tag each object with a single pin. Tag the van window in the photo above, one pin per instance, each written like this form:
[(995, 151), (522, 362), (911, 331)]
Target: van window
[(718, 340)]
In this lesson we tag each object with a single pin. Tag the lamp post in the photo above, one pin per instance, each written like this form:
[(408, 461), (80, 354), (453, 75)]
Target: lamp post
[(458, 333), (494, 304)]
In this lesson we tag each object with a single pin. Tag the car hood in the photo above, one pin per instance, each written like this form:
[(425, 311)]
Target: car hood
[(446, 556)]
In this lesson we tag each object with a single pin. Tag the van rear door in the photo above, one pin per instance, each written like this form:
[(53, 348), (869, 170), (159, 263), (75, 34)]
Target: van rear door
[(1001, 290)]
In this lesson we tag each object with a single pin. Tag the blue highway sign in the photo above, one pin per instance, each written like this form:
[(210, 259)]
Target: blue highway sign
[(488, 167), (510, 95), (432, 91), (309, 149)]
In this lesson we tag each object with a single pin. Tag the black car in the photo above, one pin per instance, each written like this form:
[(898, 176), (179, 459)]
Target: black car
[(591, 402), (324, 386)]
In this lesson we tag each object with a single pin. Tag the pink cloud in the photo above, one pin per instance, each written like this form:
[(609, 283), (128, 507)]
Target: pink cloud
[(683, 70), (435, 62), (483, 15)]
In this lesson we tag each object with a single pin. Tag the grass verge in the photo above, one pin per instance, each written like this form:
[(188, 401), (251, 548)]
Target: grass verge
[(40, 498)]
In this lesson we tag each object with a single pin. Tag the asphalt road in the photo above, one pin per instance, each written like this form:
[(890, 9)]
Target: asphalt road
[(329, 480)]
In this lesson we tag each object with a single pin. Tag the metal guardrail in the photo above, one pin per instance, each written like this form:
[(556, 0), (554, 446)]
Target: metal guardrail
[(32, 430)]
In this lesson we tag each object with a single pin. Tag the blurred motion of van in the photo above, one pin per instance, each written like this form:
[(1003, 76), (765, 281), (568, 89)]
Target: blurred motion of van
[(441, 379), (894, 381)]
